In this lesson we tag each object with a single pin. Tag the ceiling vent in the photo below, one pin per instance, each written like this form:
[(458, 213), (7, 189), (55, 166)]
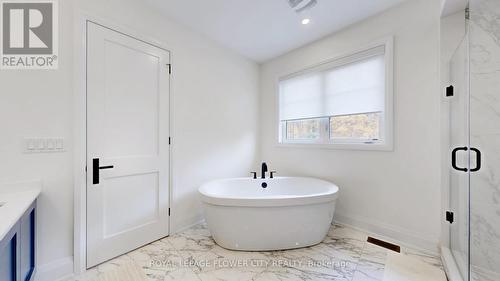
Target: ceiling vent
[(302, 5)]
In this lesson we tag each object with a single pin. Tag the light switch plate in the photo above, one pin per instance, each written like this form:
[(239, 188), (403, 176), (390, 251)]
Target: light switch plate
[(41, 145)]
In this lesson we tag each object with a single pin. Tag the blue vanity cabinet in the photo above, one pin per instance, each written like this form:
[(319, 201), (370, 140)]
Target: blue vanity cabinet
[(9, 258), (27, 244), (17, 249)]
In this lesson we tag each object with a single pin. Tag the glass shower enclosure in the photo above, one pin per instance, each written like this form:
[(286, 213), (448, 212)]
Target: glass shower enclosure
[(458, 215), (474, 140)]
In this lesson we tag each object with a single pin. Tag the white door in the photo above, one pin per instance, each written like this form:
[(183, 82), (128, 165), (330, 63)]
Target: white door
[(127, 143)]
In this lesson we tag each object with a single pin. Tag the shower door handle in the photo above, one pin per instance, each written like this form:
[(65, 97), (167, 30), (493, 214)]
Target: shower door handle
[(96, 168), (478, 159), (454, 158)]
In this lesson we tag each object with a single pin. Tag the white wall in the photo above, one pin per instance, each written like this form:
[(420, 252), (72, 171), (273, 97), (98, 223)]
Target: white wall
[(396, 194), (214, 118), (39, 104), (214, 103)]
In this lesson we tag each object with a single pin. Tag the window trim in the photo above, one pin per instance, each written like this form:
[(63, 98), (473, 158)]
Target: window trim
[(348, 57)]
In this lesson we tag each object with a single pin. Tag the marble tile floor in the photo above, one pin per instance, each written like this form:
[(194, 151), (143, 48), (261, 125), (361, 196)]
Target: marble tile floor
[(344, 255)]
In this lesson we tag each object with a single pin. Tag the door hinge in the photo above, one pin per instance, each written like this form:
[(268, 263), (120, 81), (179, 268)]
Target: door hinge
[(169, 140), (169, 68), (85, 169), (467, 13), (449, 91), (169, 212), (449, 217)]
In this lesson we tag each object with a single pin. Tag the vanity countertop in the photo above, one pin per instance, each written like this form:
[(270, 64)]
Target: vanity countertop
[(15, 199)]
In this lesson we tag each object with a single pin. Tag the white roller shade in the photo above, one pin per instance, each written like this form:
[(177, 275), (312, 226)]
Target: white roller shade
[(351, 85)]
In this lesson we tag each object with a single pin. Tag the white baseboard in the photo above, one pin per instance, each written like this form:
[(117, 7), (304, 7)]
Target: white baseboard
[(391, 233), (57, 270), (63, 268), (450, 266), (180, 226)]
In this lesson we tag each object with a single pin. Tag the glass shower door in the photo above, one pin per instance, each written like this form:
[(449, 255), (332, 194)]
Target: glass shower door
[(458, 216)]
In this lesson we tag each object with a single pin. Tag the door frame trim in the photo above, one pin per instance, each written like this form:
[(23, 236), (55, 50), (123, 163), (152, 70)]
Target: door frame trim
[(80, 127)]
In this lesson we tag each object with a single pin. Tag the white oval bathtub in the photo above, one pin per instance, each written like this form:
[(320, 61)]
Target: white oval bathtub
[(291, 212)]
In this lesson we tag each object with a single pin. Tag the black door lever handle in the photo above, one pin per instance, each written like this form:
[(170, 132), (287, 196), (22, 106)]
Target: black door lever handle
[(96, 168)]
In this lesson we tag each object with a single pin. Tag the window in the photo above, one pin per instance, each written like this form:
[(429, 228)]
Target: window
[(346, 102)]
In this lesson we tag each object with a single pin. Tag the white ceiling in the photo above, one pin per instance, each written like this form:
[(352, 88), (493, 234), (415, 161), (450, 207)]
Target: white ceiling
[(264, 29)]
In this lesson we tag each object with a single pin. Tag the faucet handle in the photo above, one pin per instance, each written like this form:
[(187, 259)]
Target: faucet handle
[(254, 174), (272, 174)]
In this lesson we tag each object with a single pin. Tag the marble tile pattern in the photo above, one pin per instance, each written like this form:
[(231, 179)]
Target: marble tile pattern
[(485, 135), (344, 255)]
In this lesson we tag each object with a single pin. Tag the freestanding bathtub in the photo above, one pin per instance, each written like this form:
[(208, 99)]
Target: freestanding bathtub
[(268, 214)]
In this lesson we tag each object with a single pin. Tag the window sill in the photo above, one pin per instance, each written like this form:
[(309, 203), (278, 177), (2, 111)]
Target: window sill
[(338, 146)]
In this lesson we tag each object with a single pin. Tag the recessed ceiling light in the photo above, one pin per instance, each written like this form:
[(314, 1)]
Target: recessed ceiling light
[(306, 21)]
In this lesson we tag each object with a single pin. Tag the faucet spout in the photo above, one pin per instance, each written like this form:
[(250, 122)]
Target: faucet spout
[(263, 170)]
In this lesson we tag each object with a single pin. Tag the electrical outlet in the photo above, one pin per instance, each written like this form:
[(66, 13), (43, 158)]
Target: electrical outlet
[(41, 145)]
